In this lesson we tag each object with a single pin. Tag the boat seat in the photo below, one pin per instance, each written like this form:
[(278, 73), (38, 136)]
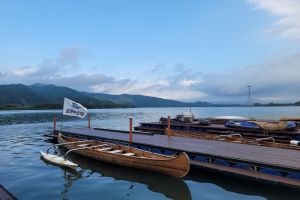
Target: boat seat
[(116, 151), (83, 145), (104, 149), (128, 154), (102, 145)]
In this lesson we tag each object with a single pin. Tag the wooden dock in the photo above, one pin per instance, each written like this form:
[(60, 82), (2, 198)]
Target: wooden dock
[(5, 194), (281, 136), (257, 157)]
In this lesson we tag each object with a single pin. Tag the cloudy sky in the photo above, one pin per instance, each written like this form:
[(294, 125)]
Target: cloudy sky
[(185, 50)]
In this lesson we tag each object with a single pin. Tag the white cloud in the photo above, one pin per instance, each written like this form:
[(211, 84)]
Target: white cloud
[(190, 82), (276, 79), (163, 83), (272, 78), (272, 99), (22, 71), (161, 88), (178, 94), (287, 12), (180, 85)]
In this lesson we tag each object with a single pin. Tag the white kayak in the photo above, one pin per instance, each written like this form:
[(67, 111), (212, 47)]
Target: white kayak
[(56, 160)]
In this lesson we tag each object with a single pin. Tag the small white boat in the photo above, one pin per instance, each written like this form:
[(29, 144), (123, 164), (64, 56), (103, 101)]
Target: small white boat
[(56, 160)]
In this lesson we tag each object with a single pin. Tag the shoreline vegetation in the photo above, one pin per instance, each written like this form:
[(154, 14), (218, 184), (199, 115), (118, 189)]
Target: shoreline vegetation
[(42, 97), (54, 107), (59, 106)]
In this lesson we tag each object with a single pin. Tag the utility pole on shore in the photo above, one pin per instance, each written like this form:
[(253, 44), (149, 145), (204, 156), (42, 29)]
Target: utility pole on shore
[(249, 100)]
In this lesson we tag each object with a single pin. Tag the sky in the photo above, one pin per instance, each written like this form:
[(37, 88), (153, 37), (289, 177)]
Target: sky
[(184, 50)]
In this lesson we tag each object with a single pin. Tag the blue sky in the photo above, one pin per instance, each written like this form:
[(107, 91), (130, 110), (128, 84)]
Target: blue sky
[(186, 50)]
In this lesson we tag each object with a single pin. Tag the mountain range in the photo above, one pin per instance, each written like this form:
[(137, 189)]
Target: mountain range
[(41, 96), (51, 96)]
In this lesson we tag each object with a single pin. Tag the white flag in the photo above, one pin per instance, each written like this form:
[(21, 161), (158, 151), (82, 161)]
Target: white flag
[(73, 108)]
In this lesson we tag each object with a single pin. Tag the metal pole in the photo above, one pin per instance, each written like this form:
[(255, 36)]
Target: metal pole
[(61, 122), (54, 122), (130, 130), (89, 118), (169, 125), (249, 100), (62, 115)]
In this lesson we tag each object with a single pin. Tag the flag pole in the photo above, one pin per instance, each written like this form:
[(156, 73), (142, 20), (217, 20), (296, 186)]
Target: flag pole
[(62, 115), (89, 120)]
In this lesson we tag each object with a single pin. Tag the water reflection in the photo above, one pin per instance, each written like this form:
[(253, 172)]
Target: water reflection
[(70, 177), (244, 186), (171, 187)]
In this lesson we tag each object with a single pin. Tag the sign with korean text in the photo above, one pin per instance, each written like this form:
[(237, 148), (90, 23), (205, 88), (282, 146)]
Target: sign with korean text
[(72, 108)]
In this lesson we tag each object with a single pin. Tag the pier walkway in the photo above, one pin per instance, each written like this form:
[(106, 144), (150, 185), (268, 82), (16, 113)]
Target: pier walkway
[(285, 160)]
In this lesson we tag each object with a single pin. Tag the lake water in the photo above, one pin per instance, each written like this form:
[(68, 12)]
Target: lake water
[(24, 174)]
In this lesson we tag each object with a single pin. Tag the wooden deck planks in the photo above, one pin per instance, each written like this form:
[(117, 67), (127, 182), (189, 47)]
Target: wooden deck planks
[(266, 156)]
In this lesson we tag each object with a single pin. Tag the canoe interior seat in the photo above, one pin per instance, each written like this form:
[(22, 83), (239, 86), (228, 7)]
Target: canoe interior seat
[(128, 154), (83, 145), (104, 149), (103, 145), (116, 151)]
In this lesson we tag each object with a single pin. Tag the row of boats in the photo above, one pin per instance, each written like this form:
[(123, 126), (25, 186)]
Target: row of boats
[(285, 130), (284, 123)]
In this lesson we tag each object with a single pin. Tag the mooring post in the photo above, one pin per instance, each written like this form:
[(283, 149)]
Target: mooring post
[(89, 118), (54, 122), (169, 126), (130, 130)]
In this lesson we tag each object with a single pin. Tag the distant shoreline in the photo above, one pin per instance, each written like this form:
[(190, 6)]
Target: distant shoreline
[(50, 107), (56, 107)]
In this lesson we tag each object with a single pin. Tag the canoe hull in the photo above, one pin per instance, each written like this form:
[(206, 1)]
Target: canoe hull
[(177, 166)]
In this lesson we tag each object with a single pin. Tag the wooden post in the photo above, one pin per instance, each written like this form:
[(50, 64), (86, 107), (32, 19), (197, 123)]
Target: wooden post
[(130, 130), (54, 122), (169, 126), (89, 118)]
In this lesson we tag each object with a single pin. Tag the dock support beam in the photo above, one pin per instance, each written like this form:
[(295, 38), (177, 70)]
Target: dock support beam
[(130, 130), (169, 126), (54, 122), (89, 118)]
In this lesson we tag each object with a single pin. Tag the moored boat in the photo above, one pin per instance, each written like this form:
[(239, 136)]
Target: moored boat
[(242, 124), (176, 165), (263, 125), (53, 159)]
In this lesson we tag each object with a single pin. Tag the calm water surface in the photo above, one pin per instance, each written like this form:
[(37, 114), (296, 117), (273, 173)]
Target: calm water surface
[(28, 177)]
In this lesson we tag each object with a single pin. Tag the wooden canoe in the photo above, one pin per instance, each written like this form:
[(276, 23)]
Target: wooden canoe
[(177, 165)]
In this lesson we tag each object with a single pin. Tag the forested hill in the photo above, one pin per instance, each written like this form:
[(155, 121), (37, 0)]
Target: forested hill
[(51, 96)]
